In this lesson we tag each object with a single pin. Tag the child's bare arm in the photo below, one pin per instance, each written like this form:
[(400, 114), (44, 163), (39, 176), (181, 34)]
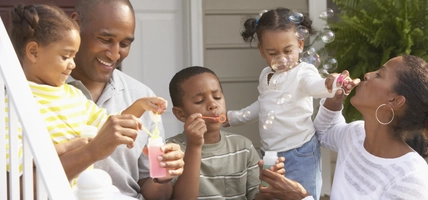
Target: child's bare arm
[(155, 104), (70, 145), (187, 185)]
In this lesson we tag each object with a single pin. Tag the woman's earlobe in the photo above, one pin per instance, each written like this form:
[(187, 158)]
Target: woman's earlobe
[(398, 101)]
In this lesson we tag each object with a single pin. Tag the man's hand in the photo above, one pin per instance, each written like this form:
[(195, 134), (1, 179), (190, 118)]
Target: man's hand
[(117, 130)]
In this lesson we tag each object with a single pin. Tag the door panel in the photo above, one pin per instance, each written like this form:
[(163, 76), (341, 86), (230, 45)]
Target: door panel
[(7, 5), (158, 50)]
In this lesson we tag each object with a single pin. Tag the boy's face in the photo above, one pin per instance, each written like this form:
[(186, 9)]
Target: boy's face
[(203, 94)]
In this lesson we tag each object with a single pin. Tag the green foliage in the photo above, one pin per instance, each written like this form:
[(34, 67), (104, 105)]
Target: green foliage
[(370, 32)]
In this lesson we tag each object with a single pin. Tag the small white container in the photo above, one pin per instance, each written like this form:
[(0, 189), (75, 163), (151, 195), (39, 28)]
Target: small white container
[(269, 160), (94, 184)]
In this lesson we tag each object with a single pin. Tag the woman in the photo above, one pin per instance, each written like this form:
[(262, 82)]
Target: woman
[(374, 161)]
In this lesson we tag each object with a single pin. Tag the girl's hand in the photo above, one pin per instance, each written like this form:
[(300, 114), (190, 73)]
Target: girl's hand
[(72, 144), (155, 104)]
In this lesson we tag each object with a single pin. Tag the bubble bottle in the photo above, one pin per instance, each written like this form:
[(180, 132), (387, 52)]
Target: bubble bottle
[(94, 184), (269, 160), (154, 146)]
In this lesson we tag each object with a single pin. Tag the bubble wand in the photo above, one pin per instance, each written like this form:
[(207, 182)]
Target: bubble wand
[(155, 133), (221, 118)]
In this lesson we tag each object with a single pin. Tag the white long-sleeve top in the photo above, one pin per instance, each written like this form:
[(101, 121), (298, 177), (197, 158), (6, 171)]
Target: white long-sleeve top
[(361, 175), (292, 125)]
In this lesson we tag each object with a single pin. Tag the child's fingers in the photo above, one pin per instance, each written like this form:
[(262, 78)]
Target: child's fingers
[(329, 81), (146, 151), (158, 104)]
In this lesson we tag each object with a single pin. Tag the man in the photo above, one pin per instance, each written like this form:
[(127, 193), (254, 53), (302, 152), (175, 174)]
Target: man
[(107, 31)]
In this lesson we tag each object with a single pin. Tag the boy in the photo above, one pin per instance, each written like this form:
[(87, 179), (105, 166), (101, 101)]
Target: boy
[(219, 165)]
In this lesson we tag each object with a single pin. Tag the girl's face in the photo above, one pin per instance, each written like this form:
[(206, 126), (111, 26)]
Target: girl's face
[(203, 94), (279, 42), (52, 64)]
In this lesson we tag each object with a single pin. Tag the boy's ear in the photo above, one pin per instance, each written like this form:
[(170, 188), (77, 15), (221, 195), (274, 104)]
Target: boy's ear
[(261, 50), (31, 50), (179, 114)]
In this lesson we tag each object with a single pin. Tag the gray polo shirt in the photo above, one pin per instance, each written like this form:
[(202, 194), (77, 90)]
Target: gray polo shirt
[(125, 166)]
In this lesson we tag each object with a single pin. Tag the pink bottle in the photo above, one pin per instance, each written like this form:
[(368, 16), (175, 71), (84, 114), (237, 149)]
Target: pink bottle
[(156, 171)]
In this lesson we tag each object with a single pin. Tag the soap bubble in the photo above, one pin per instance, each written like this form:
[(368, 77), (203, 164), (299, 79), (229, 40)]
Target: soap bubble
[(295, 17), (330, 64), (281, 63), (246, 114), (324, 73), (301, 32), (327, 35), (262, 12), (271, 115), (326, 14), (285, 98), (310, 56), (267, 124)]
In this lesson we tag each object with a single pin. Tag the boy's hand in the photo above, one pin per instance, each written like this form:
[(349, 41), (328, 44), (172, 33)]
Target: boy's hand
[(195, 128), (172, 159), (155, 104)]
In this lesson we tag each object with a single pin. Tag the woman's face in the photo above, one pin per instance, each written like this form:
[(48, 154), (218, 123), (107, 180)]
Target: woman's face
[(377, 87)]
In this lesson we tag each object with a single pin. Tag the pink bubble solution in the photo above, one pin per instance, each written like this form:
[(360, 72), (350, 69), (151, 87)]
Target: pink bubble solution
[(154, 147)]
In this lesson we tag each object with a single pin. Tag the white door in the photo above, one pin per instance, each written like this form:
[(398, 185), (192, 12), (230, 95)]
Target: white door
[(158, 51)]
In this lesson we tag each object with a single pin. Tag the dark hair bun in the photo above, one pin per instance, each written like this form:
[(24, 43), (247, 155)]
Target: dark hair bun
[(25, 17)]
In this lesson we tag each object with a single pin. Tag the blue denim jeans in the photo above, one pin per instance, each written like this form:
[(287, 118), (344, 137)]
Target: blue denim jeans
[(303, 165)]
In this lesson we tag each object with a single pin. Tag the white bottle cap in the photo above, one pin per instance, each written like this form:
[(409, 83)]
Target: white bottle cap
[(94, 184), (155, 141), (270, 158)]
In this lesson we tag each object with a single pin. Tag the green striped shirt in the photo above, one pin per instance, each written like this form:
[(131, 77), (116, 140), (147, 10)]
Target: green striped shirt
[(229, 168)]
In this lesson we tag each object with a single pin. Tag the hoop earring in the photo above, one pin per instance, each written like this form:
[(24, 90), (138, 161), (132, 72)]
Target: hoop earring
[(384, 123)]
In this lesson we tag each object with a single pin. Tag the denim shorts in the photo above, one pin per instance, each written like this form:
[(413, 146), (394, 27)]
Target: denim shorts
[(303, 165)]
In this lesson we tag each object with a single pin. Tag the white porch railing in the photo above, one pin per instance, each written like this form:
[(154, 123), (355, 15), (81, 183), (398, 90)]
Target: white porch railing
[(37, 145)]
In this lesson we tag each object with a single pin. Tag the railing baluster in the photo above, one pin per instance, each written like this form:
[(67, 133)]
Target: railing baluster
[(14, 187), (3, 177), (28, 175)]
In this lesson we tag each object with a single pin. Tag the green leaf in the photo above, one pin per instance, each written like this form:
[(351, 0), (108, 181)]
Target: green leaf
[(370, 32)]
